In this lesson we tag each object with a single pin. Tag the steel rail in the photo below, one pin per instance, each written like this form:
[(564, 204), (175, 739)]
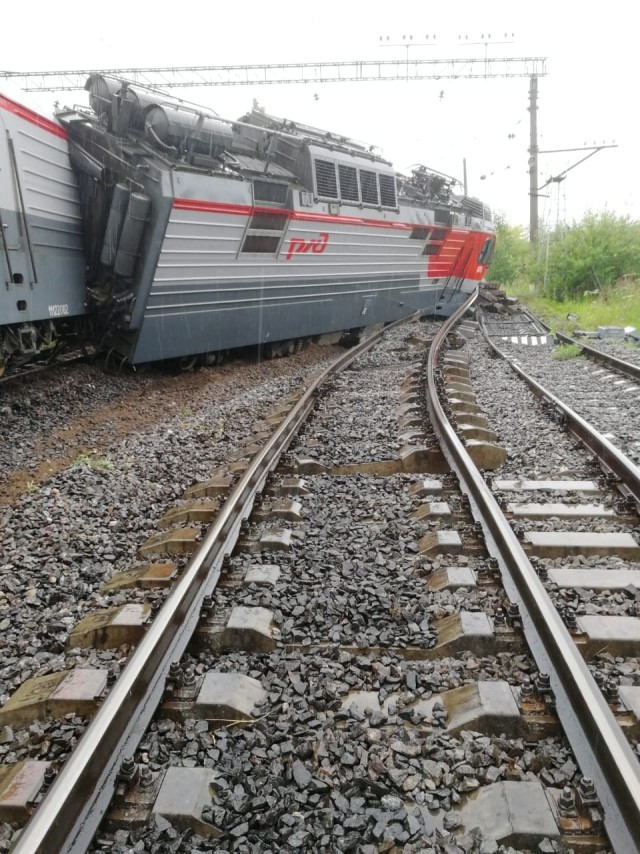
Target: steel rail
[(606, 359), (612, 458), (540, 324), (74, 807), (491, 319), (598, 743)]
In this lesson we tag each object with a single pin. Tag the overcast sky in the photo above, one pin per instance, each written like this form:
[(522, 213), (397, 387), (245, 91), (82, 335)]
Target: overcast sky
[(590, 94)]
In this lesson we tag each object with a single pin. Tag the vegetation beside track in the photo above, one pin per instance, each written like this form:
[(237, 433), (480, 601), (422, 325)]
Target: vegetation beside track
[(566, 351), (586, 276), (617, 306)]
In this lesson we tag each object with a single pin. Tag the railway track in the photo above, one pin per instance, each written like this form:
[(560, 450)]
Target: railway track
[(339, 665), (523, 328), (600, 388), (609, 360)]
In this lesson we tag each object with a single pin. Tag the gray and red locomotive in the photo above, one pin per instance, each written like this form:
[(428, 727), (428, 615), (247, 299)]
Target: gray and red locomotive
[(165, 232)]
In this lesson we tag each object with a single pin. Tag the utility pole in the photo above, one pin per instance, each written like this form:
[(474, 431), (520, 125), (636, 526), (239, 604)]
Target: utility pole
[(557, 179), (533, 160)]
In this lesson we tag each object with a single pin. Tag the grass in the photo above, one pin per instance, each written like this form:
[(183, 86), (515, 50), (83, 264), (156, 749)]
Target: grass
[(616, 306), (92, 461), (566, 351)]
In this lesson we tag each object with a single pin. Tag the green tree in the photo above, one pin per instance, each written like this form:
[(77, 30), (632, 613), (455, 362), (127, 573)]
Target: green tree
[(592, 255), (513, 261)]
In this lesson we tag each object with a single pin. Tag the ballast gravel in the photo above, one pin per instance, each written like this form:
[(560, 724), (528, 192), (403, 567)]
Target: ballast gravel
[(539, 449), (316, 772), (62, 539), (365, 410), (604, 398), (627, 350), (354, 574)]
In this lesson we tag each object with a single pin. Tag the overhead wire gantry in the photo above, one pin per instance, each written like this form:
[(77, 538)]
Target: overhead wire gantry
[(172, 77), (295, 72)]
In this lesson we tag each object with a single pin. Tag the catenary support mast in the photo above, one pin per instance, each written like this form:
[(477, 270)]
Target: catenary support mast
[(533, 160)]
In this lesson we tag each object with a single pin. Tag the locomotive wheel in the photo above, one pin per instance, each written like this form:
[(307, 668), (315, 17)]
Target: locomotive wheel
[(188, 363), (208, 360)]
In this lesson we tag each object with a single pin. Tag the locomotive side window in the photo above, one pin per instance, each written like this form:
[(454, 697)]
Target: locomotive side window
[(434, 244), (486, 253), (348, 183), (432, 249), (388, 191), (369, 187), (419, 232), (265, 191), (260, 243), (442, 217), (268, 221), (326, 183)]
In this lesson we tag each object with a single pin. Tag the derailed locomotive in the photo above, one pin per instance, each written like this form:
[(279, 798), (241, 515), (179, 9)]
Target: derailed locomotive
[(165, 232)]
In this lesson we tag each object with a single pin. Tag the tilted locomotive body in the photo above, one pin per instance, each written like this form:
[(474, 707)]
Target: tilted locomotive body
[(172, 232), (42, 268)]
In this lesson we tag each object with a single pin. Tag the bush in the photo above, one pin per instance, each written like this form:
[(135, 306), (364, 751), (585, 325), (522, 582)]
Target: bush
[(566, 351), (592, 255)]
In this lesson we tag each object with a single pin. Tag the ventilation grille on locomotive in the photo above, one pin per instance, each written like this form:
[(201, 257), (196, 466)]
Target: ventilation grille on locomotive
[(265, 191), (348, 183), (326, 183), (387, 191), (369, 187), (476, 208)]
